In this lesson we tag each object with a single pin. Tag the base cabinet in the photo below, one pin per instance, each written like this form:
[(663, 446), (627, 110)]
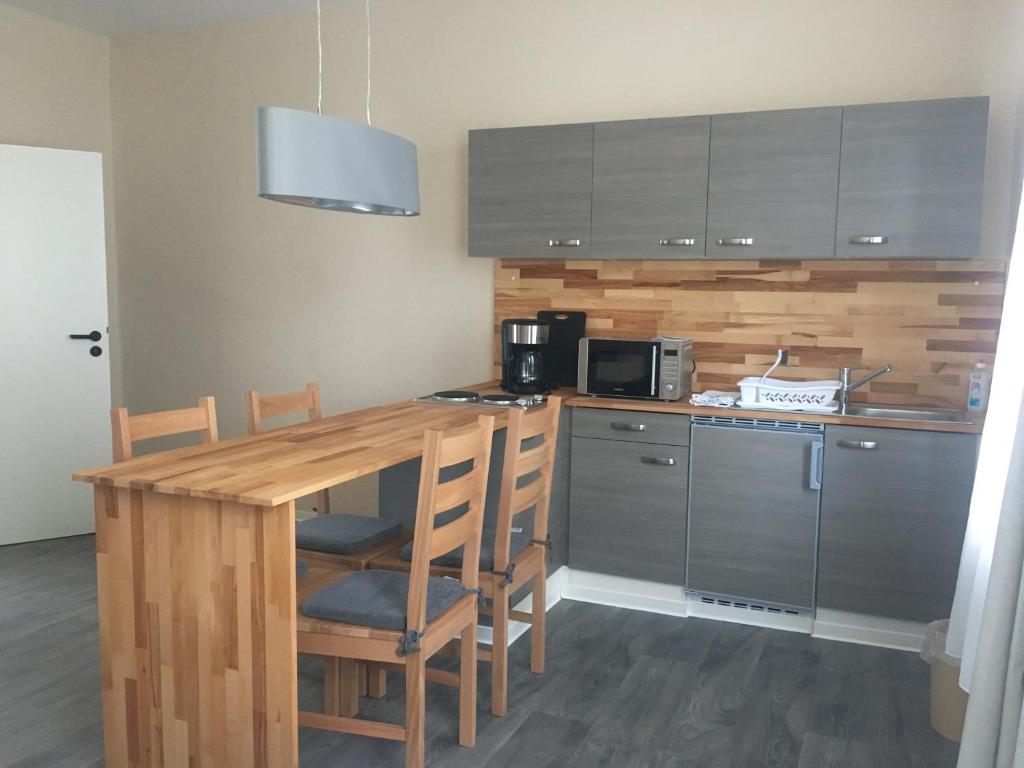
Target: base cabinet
[(753, 514), (628, 509), (894, 508)]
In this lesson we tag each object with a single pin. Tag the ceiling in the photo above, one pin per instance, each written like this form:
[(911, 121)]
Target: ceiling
[(115, 17)]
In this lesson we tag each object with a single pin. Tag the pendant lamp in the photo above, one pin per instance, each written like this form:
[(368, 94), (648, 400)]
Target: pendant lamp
[(318, 161)]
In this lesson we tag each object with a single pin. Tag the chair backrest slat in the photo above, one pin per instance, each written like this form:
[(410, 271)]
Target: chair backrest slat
[(538, 461), (144, 426), (458, 491), (440, 450), (259, 407)]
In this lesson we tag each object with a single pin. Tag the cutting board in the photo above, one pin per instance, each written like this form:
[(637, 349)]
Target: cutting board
[(567, 328)]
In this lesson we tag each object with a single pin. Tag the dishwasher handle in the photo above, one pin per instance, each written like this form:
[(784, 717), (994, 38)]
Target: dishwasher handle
[(817, 465)]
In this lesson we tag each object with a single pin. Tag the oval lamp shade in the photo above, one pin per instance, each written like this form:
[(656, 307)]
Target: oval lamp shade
[(318, 161)]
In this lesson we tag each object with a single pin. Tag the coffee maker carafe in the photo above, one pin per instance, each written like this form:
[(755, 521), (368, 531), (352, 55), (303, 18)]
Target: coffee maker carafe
[(522, 356)]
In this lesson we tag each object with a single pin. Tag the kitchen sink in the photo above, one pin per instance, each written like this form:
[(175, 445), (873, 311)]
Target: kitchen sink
[(908, 413)]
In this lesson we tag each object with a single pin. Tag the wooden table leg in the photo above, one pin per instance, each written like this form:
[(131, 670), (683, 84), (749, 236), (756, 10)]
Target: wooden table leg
[(197, 631)]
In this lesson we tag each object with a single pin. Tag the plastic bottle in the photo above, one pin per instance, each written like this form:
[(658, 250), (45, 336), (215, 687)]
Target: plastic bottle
[(977, 388)]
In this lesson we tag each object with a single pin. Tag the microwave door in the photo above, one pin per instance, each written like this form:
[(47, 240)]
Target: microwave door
[(623, 369)]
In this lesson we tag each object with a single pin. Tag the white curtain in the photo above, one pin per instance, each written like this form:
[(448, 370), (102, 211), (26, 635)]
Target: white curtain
[(987, 625), (989, 501)]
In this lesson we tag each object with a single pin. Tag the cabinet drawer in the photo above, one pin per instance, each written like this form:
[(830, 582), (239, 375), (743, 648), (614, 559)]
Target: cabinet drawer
[(631, 426), (628, 509)]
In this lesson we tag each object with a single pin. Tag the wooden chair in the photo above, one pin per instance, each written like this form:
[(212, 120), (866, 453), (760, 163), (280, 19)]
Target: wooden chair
[(380, 535), (400, 632), (259, 407), (518, 559), (130, 429)]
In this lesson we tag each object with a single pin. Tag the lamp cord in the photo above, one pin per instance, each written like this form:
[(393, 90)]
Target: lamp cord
[(368, 120), (319, 62)]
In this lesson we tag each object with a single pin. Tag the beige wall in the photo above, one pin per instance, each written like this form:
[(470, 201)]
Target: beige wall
[(55, 92), (222, 291)]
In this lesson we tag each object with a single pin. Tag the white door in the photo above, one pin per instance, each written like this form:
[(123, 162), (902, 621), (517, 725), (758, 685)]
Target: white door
[(54, 393)]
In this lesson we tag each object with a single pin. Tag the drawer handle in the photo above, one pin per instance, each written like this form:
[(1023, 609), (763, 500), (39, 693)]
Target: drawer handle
[(663, 461), (680, 241), (869, 240), (864, 445), (563, 243), (735, 241), (627, 427)]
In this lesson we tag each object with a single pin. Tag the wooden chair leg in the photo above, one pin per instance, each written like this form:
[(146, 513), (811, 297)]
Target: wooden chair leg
[(323, 502), (499, 654), (341, 687), (467, 687), (376, 682), (364, 672), (415, 709), (537, 630)]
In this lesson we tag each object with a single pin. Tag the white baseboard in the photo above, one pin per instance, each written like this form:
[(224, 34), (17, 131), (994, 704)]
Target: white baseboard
[(653, 597), (517, 629), (621, 592), (868, 630)]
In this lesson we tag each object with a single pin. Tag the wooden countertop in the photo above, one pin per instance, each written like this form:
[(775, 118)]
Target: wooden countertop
[(683, 407), (284, 464)]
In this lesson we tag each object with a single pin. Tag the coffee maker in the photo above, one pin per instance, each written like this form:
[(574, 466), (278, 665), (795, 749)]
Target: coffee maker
[(523, 344)]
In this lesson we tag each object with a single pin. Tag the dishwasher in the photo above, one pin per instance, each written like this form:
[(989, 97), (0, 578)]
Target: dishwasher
[(752, 536)]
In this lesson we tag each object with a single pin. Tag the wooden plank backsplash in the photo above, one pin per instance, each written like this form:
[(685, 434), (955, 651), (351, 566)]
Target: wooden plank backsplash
[(931, 320)]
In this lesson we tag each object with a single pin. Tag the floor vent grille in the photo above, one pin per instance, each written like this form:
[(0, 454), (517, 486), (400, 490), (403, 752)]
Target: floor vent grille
[(740, 422)]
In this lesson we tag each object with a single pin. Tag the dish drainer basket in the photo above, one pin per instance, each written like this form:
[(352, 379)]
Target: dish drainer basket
[(776, 393)]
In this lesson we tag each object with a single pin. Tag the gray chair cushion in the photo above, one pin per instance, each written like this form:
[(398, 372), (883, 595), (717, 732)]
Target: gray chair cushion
[(343, 534), (453, 559), (379, 599), (301, 569)]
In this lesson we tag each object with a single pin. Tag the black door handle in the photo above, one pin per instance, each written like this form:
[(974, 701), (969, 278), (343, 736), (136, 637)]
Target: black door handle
[(93, 336)]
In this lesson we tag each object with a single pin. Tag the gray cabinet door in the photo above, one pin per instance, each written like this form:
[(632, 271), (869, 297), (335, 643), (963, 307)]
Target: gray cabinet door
[(753, 518), (628, 509), (894, 510), (529, 192), (773, 181), (650, 188), (912, 173)]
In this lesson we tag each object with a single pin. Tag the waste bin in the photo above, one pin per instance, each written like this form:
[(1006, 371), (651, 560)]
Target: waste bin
[(949, 700)]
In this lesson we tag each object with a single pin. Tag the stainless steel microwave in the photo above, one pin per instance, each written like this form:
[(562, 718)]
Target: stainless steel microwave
[(658, 369)]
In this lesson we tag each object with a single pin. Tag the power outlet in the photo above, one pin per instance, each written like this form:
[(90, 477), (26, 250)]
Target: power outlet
[(784, 356)]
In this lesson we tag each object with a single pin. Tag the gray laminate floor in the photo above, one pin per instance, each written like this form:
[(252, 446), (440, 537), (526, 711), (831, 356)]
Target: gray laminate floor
[(622, 689)]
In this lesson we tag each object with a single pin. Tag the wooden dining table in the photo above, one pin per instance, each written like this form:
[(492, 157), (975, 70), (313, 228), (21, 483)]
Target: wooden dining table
[(195, 552)]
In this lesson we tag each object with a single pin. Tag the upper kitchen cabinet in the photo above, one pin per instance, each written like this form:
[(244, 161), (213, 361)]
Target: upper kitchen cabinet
[(650, 188), (773, 182), (910, 180), (529, 191)]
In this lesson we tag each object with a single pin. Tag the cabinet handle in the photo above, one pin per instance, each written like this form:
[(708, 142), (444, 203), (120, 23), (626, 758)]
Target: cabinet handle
[(663, 461), (563, 243), (817, 453), (626, 427), (677, 241), (864, 445), (735, 241), (869, 240)]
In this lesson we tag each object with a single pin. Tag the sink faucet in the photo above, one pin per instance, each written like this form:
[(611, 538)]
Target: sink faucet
[(846, 387)]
